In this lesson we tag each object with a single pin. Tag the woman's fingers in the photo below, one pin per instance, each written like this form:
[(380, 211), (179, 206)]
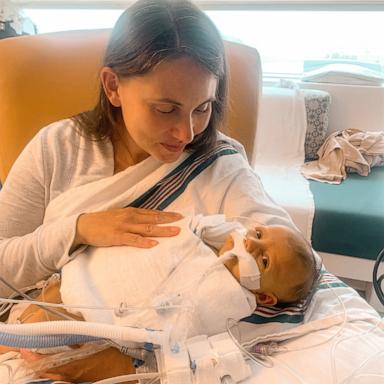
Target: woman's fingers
[(147, 216), (152, 230), (137, 235), (135, 240), (146, 223), (125, 226)]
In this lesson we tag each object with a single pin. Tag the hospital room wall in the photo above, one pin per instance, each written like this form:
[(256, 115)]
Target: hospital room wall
[(353, 106)]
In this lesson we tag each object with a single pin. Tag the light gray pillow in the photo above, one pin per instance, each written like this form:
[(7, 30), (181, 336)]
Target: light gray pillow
[(317, 105)]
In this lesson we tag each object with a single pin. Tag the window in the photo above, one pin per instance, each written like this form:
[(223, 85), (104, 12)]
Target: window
[(289, 41), (54, 20)]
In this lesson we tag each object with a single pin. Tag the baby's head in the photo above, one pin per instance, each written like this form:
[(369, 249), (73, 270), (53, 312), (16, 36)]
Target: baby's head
[(286, 262)]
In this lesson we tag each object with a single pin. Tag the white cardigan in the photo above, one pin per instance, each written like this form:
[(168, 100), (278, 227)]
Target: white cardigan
[(57, 159)]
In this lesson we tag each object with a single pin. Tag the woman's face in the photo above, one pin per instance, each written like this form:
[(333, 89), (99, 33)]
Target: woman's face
[(165, 108)]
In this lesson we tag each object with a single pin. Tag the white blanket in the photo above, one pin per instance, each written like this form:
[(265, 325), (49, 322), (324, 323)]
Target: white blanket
[(330, 350), (177, 272), (341, 342)]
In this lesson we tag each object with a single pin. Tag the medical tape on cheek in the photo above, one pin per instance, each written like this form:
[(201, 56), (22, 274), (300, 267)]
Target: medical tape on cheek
[(248, 268)]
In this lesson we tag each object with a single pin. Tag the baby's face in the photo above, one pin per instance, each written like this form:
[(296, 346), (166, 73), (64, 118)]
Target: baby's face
[(271, 246)]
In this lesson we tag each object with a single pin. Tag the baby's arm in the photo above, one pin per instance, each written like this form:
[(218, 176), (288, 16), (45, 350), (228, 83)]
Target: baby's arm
[(4, 349), (102, 365), (35, 314)]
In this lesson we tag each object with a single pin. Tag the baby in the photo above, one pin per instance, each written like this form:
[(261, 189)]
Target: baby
[(285, 260), (287, 270)]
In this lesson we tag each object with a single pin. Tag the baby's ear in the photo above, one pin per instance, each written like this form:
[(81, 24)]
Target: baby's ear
[(266, 298)]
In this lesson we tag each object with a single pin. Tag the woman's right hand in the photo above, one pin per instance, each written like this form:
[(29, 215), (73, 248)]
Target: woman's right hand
[(124, 226)]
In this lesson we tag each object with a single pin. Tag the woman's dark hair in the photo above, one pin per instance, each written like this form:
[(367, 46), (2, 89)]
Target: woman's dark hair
[(147, 33)]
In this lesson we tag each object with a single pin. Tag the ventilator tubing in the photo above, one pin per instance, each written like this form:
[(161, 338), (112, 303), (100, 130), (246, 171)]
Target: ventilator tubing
[(99, 330)]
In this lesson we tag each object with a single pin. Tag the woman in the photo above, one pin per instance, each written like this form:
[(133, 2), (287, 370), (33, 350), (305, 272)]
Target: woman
[(162, 100)]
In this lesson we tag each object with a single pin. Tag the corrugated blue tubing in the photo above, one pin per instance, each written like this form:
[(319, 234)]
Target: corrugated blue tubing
[(43, 341)]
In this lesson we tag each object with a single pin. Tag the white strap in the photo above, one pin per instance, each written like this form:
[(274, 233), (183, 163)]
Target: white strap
[(215, 357), (204, 362), (231, 360), (174, 366), (248, 268)]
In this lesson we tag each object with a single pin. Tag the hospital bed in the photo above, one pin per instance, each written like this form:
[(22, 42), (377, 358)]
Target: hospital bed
[(344, 222), (333, 337)]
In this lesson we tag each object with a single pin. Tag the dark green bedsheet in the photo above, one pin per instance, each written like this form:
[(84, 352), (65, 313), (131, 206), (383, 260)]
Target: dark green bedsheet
[(349, 217)]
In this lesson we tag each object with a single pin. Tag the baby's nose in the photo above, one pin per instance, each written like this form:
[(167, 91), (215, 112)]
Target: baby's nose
[(252, 245)]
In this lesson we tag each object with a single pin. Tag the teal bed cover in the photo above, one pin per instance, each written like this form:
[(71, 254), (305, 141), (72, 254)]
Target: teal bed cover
[(349, 217)]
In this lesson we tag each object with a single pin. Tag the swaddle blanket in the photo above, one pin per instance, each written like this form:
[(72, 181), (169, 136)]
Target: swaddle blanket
[(176, 276), (350, 150)]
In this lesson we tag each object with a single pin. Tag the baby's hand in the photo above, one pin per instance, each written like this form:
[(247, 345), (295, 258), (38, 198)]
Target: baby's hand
[(101, 365), (5, 349), (32, 357)]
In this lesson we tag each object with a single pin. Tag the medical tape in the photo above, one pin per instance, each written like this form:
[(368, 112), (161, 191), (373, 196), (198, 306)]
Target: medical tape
[(230, 358), (213, 358), (174, 367), (204, 361), (248, 268)]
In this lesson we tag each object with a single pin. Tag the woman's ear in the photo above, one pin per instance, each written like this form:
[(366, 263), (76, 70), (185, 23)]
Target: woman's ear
[(110, 83), (266, 298)]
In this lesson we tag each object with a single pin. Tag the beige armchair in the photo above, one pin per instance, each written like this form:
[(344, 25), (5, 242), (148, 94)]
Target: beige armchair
[(48, 77)]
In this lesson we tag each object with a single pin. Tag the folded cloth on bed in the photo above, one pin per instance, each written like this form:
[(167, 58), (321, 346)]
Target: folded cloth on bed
[(349, 150)]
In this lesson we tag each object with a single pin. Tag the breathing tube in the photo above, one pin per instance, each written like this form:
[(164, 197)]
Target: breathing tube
[(138, 351), (43, 341), (99, 330)]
